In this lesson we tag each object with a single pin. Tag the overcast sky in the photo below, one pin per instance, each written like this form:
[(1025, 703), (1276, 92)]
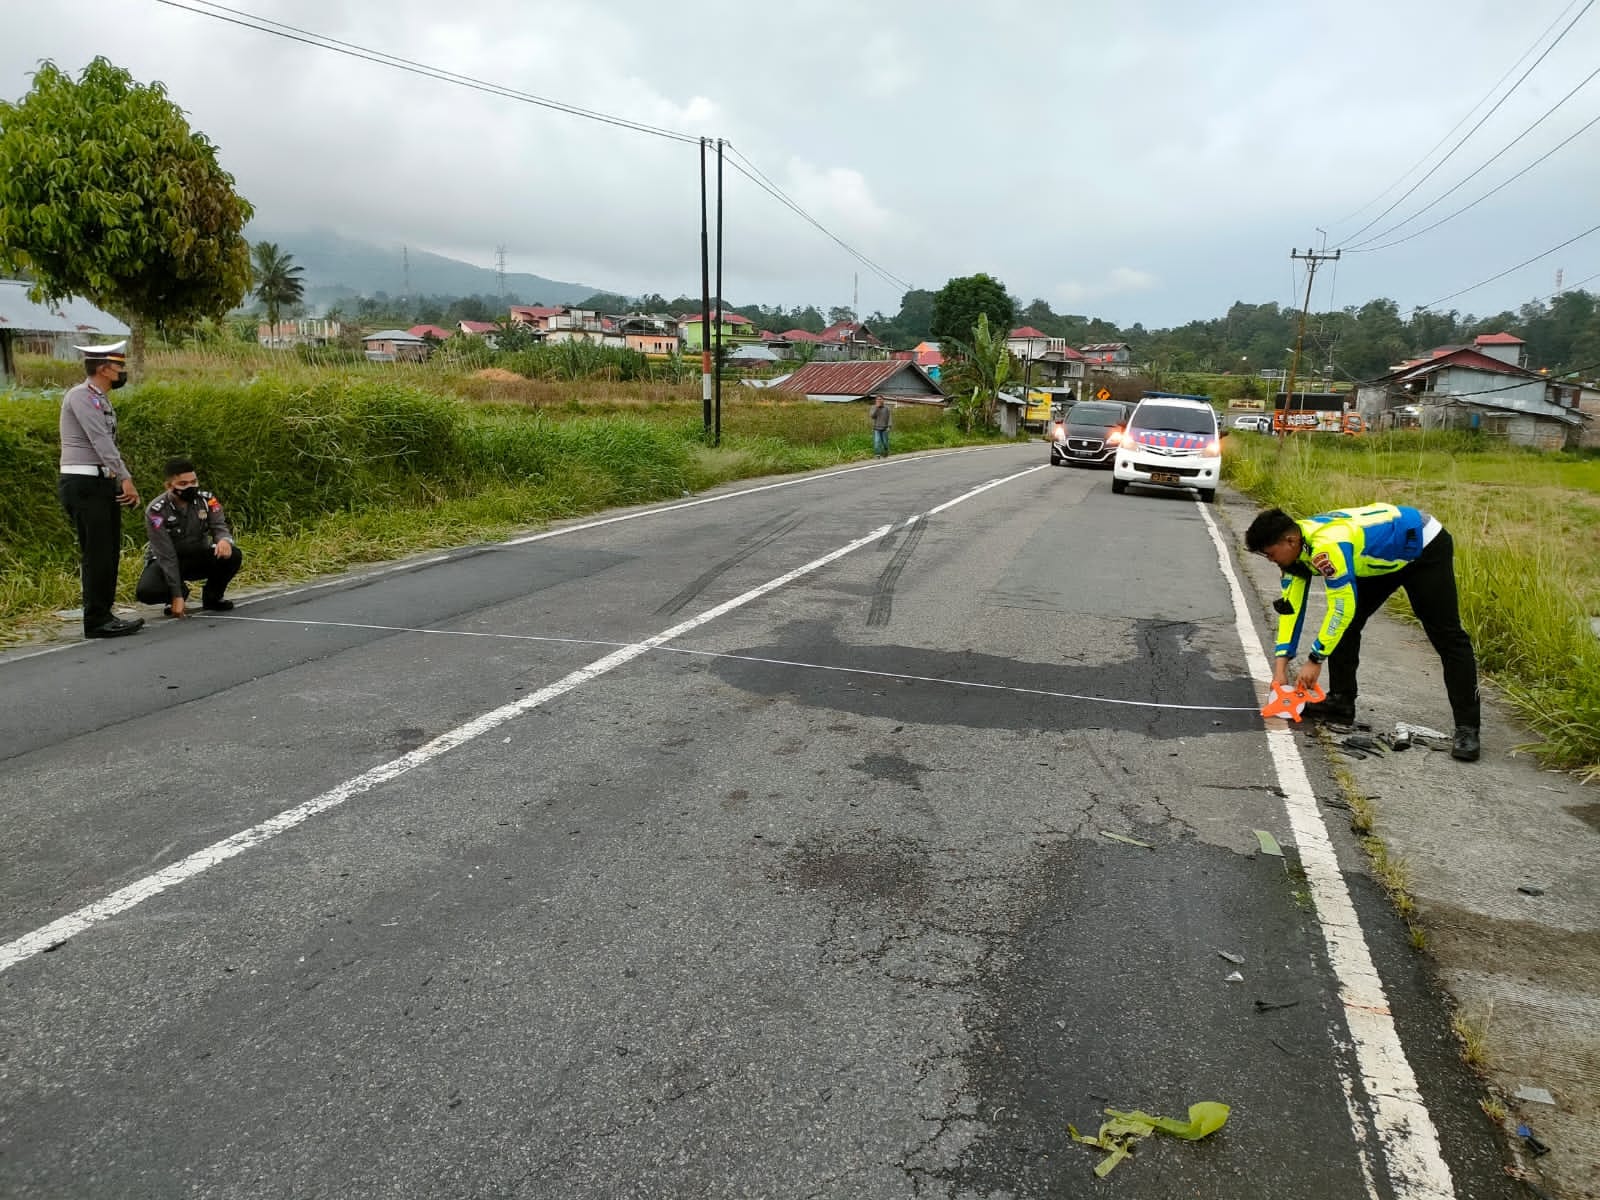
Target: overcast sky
[(1143, 160)]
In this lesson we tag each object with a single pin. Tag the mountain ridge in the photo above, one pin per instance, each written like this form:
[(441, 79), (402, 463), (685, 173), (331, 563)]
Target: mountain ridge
[(338, 267)]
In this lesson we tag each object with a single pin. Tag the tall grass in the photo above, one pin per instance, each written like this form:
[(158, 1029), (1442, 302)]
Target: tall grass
[(1527, 531), (320, 470)]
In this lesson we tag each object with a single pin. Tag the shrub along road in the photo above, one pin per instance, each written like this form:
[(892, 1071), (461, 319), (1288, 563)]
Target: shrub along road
[(753, 847)]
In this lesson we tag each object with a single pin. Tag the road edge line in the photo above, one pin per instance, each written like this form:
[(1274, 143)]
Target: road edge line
[(1405, 1128)]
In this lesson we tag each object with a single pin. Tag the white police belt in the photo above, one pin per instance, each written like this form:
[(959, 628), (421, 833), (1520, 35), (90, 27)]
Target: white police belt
[(81, 469), (1431, 529)]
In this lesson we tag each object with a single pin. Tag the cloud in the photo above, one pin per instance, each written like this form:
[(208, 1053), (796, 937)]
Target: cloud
[(1234, 153), (1116, 282)]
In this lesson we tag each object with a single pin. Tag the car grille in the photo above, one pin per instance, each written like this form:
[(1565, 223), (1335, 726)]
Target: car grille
[(1170, 451), (1181, 472), (1086, 444)]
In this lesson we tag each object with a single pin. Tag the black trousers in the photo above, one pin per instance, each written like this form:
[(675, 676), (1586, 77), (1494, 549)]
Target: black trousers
[(91, 504), (199, 564), (1430, 584)]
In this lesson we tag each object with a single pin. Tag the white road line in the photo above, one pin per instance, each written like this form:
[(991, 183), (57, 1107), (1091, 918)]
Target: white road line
[(753, 658), (1405, 1129), (54, 934)]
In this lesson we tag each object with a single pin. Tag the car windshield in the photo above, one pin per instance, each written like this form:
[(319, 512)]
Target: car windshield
[(1174, 418), (1099, 415)]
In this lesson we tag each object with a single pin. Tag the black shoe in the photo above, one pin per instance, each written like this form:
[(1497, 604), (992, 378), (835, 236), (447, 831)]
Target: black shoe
[(1466, 746), (216, 605), (1334, 709), (116, 627)]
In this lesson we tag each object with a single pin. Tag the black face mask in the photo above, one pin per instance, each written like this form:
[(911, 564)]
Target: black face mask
[(119, 381), (189, 493)]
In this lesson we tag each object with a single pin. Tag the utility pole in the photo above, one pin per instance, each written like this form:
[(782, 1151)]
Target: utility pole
[(405, 272), (1313, 259), (500, 270), (716, 428), (855, 298), (705, 299)]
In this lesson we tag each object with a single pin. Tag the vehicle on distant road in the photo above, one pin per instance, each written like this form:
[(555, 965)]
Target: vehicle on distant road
[(1171, 441), (1258, 422), (1088, 433)]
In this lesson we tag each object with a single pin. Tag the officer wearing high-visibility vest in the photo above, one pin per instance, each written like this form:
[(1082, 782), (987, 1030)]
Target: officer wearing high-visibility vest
[(1364, 555), (94, 483)]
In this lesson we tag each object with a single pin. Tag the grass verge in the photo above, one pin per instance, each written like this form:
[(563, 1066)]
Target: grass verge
[(1527, 530)]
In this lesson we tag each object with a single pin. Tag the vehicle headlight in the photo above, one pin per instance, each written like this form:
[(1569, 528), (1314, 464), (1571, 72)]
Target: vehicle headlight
[(1213, 448)]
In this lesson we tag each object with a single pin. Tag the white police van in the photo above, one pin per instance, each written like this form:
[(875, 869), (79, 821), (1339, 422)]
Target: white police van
[(1172, 441)]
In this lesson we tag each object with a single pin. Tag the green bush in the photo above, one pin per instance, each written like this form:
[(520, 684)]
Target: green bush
[(578, 360)]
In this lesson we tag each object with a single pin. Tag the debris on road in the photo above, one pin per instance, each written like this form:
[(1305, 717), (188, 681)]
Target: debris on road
[(1403, 729), (1270, 1005), (1125, 1130), (1536, 1095), (1127, 841), (1361, 741), (1268, 843), (1532, 1142), (1234, 977), (1235, 959), (1530, 889)]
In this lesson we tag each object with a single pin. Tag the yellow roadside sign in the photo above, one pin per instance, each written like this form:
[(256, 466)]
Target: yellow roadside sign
[(1102, 394)]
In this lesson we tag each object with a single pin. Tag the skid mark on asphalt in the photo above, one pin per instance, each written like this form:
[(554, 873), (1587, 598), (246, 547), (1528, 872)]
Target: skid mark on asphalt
[(883, 593), (763, 535)]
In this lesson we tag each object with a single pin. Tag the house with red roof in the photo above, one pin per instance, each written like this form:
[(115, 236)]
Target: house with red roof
[(1046, 360), (484, 329), (845, 382), (1109, 358), (1485, 387), (430, 331), (535, 316), (849, 340)]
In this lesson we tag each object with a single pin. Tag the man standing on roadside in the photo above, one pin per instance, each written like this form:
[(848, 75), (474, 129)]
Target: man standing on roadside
[(95, 485), (1364, 555), (188, 538), (882, 416)]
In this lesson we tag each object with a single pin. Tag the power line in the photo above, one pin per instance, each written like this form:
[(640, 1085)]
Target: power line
[(294, 33), (1467, 116), (1588, 4), (760, 179), (245, 20), (1366, 246), (1526, 262)]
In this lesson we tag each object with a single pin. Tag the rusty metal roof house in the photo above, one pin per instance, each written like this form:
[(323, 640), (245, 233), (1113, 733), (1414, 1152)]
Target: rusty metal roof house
[(46, 328), (843, 382)]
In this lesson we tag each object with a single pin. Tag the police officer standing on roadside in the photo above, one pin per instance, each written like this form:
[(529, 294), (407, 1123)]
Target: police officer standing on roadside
[(95, 485), (188, 538)]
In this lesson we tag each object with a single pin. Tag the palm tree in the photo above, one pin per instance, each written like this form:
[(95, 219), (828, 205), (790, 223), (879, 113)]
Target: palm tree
[(277, 282)]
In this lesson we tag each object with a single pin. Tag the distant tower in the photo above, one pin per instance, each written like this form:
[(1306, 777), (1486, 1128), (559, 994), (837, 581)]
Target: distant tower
[(405, 271), (1559, 274), (500, 269), (855, 297)]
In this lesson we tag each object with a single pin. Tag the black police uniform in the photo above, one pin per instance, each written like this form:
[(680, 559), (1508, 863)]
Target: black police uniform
[(181, 536)]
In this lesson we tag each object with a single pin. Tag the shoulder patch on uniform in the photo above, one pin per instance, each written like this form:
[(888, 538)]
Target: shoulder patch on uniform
[(1323, 565), (156, 519), (211, 502)]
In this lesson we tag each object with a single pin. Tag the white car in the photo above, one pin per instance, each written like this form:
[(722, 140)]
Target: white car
[(1171, 442), (1251, 421)]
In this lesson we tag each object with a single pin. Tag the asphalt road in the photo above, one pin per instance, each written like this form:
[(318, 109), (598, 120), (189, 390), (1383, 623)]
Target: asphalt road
[(813, 899)]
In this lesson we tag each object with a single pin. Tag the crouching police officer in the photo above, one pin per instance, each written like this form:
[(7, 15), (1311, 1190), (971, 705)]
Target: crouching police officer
[(189, 538), (1364, 555)]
